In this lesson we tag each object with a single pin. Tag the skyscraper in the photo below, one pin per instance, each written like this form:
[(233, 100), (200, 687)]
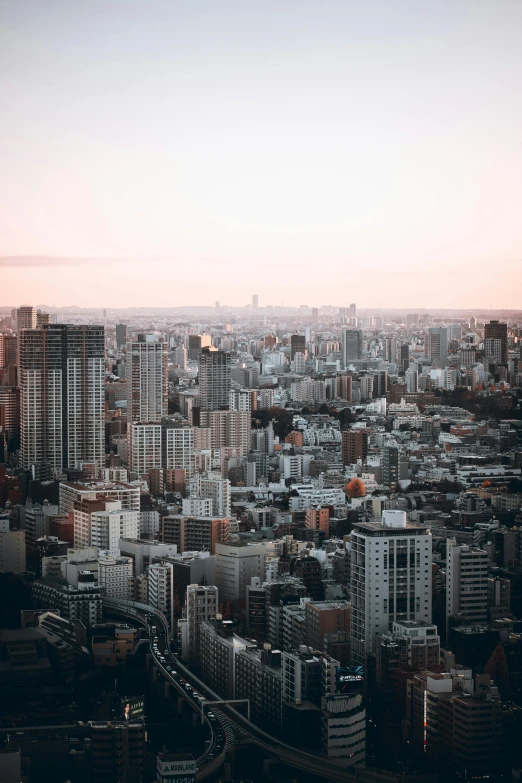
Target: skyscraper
[(466, 582), (352, 345), (437, 345), (255, 301), (121, 335), (147, 380), (214, 379), (297, 344), (61, 378), (390, 579), (26, 318), (498, 331), (353, 310)]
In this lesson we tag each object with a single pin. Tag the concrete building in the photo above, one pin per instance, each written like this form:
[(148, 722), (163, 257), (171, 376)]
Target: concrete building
[(117, 750), (61, 369), (101, 524), (325, 617), (391, 572), (144, 552), (218, 647), (236, 565), (214, 379), (71, 493), (352, 345), (466, 582), (83, 602), (178, 447), (258, 678), (354, 446), (195, 534), (215, 487), (201, 606), (147, 380), (145, 448), (437, 346), (12, 548), (115, 576)]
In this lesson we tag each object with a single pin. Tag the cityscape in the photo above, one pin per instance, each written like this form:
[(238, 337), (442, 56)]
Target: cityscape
[(261, 391)]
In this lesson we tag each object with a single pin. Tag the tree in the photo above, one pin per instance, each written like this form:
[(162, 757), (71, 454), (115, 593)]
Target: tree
[(355, 488)]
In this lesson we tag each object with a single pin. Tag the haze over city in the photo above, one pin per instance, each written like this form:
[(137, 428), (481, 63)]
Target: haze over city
[(166, 153)]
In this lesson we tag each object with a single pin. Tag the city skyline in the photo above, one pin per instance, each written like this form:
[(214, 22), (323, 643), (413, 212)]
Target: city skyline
[(284, 149)]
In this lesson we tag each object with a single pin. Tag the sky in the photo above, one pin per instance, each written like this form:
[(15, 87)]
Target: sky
[(161, 153)]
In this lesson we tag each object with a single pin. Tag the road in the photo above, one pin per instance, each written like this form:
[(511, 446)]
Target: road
[(227, 718)]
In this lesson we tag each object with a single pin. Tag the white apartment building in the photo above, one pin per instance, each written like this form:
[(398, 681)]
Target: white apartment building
[(161, 589), (466, 582), (265, 399), (178, 449), (240, 400), (198, 507), (103, 528), (144, 448), (391, 572), (115, 576), (202, 605), (212, 486), (235, 567)]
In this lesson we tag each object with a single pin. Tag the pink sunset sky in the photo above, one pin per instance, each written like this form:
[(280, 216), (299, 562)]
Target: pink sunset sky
[(159, 153)]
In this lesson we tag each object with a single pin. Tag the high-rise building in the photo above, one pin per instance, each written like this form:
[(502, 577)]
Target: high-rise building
[(315, 315), (145, 447), (437, 345), (390, 349), (297, 344), (196, 342), (354, 446), (147, 380), (390, 465), (214, 380), (214, 487), (493, 350), (115, 575), (62, 397), (498, 331), (9, 421), (101, 524), (352, 345), (466, 582), (235, 567), (178, 446), (42, 318), (121, 335), (390, 579), (353, 311), (255, 301), (12, 547), (201, 606), (118, 750), (405, 356), (26, 318)]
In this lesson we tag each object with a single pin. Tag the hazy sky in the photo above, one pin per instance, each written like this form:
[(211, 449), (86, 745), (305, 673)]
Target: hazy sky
[(158, 152)]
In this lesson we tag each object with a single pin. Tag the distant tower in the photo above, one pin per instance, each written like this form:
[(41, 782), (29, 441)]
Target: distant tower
[(26, 318), (121, 335), (255, 302), (353, 311)]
